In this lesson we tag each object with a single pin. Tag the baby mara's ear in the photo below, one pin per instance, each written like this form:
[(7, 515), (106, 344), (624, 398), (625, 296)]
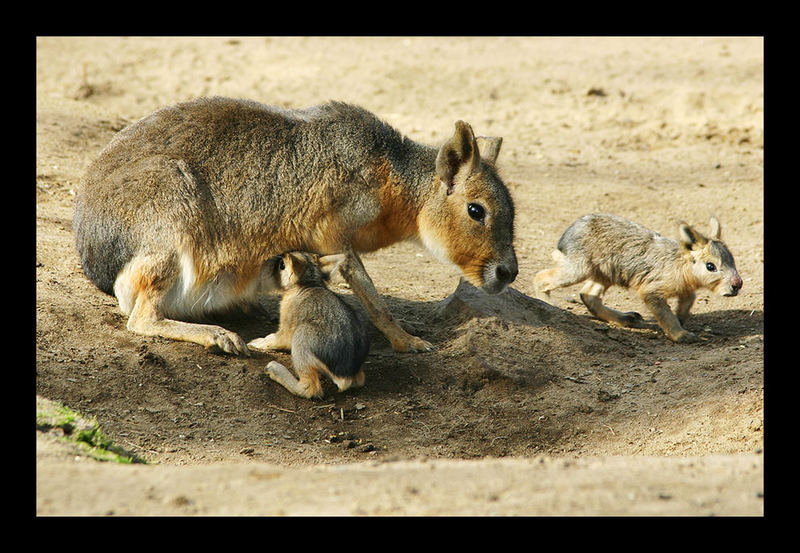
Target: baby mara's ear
[(290, 268), (715, 228), (690, 238), (329, 264)]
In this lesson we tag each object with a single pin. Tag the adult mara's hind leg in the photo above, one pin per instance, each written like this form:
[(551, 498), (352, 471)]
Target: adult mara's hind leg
[(140, 289), (145, 320)]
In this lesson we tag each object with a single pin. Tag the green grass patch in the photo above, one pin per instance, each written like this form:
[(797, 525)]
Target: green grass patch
[(82, 432)]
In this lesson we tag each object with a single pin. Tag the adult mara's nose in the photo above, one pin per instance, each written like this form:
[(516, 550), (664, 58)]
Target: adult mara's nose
[(506, 273), (500, 274)]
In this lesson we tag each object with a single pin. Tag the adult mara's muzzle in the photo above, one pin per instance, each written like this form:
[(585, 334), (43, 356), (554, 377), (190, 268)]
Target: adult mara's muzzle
[(499, 274)]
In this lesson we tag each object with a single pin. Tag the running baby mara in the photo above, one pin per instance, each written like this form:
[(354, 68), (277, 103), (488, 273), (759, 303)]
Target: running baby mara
[(323, 333), (606, 250)]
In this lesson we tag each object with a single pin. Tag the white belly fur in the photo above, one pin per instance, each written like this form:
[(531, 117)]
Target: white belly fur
[(187, 298)]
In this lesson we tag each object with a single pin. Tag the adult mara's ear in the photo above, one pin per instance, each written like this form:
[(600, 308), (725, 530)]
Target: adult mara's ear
[(489, 147), (457, 157), (690, 238)]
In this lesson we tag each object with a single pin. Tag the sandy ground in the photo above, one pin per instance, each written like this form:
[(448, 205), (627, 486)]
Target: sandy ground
[(521, 409)]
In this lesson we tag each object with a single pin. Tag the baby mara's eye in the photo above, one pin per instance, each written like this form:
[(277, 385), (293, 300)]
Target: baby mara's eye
[(281, 265), (476, 211), (711, 267)]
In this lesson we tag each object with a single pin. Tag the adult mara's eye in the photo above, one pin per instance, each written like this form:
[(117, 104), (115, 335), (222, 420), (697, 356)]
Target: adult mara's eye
[(711, 267), (476, 211), (281, 265)]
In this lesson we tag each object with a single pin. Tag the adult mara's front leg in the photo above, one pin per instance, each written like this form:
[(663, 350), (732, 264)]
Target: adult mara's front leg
[(353, 271)]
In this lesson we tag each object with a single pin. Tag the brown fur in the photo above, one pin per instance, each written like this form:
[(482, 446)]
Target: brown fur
[(396, 222), (606, 250), (181, 213)]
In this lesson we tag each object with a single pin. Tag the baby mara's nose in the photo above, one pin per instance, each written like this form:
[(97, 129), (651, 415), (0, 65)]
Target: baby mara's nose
[(736, 282)]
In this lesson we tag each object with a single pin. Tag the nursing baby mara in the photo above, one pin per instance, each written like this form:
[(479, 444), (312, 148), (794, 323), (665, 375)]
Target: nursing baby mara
[(607, 250), (323, 333)]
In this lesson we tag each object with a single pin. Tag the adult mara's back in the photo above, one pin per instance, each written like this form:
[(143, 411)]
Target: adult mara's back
[(185, 210)]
